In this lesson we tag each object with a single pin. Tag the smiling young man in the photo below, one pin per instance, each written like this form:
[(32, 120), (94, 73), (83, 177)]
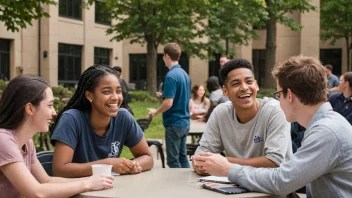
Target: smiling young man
[(251, 131), (323, 162)]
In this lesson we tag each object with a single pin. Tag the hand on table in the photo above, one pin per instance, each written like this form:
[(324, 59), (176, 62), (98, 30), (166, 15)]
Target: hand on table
[(98, 182), (122, 165), (136, 168), (214, 164), (199, 169)]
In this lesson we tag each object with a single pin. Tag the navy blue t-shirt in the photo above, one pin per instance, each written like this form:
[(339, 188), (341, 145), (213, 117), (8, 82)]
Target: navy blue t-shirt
[(341, 105), (177, 85), (75, 130)]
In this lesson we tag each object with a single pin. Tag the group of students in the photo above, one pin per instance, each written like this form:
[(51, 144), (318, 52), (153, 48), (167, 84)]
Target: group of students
[(91, 129), (253, 132)]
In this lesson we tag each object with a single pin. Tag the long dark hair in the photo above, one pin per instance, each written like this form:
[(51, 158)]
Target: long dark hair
[(19, 92), (88, 81)]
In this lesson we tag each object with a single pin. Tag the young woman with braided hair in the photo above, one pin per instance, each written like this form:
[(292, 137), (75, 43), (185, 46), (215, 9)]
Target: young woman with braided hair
[(92, 129)]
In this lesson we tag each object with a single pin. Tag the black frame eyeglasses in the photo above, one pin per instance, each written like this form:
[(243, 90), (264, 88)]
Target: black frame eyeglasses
[(277, 94)]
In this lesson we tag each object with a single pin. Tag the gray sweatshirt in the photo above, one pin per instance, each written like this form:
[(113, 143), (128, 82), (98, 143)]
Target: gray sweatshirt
[(323, 162), (267, 134)]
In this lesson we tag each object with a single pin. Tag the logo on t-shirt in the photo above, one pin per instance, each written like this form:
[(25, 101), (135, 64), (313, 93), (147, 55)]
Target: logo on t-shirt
[(258, 139), (114, 152)]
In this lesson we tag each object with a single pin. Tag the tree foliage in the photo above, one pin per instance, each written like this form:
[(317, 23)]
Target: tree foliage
[(336, 23), (187, 22), (17, 14)]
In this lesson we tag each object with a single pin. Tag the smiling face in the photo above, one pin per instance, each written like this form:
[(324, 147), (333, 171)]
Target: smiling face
[(200, 92), (44, 113), (241, 88), (107, 96)]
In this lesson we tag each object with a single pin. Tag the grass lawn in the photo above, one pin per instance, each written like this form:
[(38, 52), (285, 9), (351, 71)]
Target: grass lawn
[(155, 130)]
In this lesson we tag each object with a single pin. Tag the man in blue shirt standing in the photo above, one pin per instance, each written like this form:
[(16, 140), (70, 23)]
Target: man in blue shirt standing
[(175, 108), (333, 81)]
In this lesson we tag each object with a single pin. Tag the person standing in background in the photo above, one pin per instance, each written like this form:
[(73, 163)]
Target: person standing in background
[(333, 81), (175, 108), (125, 92)]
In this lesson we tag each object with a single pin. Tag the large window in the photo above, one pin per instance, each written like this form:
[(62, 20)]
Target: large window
[(138, 69), (332, 57), (4, 59), (71, 9), (214, 65), (101, 56), (102, 16), (258, 61), (70, 61)]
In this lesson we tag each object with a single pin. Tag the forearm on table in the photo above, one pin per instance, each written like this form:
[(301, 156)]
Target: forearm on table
[(65, 189), (78, 169), (254, 162), (64, 180), (145, 161)]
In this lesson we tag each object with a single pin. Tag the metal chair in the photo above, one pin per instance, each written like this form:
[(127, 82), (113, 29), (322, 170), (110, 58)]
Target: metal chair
[(46, 159), (144, 124)]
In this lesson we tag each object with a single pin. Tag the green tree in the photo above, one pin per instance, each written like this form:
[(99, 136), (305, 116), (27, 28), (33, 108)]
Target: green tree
[(18, 14), (155, 22), (336, 23), (276, 12)]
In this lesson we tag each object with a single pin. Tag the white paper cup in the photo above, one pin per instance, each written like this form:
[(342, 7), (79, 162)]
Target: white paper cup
[(101, 169)]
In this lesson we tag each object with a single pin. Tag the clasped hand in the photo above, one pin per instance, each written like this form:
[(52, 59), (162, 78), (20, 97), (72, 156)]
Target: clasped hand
[(124, 166), (213, 164)]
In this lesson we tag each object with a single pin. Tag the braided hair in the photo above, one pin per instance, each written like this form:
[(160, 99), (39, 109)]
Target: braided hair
[(88, 81)]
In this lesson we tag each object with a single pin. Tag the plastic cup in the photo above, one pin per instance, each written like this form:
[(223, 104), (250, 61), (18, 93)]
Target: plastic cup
[(101, 169)]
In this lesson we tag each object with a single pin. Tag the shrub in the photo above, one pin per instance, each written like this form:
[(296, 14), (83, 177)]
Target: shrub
[(63, 92), (265, 93), (143, 96)]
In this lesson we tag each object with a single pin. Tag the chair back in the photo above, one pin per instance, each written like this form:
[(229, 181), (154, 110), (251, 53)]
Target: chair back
[(144, 123), (46, 159)]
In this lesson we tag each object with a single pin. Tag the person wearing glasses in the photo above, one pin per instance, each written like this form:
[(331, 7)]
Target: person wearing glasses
[(323, 162), (251, 131)]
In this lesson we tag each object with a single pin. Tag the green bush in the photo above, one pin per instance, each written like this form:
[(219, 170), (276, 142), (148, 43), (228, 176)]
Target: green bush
[(143, 96), (265, 93), (63, 92), (3, 84)]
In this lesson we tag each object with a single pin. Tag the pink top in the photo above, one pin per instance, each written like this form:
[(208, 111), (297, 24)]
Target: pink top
[(9, 153)]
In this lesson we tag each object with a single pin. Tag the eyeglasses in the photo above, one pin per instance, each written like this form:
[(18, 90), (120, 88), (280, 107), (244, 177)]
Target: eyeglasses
[(277, 94)]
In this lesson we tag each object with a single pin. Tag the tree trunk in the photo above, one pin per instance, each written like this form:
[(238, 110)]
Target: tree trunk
[(151, 65), (348, 53), (270, 51)]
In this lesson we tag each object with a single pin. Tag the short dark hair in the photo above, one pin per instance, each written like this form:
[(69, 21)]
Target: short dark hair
[(329, 67), (305, 77), (173, 50), (19, 92), (117, 68), (234, 64), (89, 80), (213, 83), (348, 78)]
